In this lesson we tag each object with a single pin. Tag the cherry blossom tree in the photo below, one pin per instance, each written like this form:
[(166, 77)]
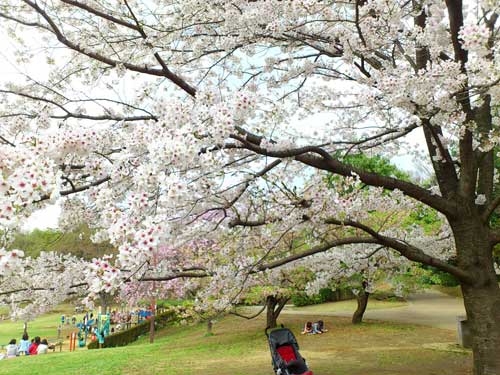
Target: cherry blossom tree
[(234, 113), (33, 286)]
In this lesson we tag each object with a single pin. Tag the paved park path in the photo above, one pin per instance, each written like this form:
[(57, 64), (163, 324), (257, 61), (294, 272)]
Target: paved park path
[(431, 308)]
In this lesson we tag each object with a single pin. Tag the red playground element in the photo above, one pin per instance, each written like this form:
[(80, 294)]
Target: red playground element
[(72, 342)]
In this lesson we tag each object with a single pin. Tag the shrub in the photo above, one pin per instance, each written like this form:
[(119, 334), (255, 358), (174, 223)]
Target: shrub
[(438, 277), (127, 336), (386, 296), (324, 295)]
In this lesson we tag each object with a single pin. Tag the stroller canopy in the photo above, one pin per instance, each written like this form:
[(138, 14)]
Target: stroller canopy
[(282, 336), (285, 353)]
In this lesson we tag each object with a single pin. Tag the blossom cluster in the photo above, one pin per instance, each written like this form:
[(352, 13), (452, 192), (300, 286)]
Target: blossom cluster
[(10, 261)]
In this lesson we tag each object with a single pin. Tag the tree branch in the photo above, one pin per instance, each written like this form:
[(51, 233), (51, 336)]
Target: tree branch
[(326, 162), (248, 317), (490, 209), (407, 250), (77, 189), (108, 61)]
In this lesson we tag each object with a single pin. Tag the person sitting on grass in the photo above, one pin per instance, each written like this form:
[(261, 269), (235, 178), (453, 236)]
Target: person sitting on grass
[(318, 327), (308, 328), (11, 349), (321, 326), (34, 346), (42, 348), (24, 345)]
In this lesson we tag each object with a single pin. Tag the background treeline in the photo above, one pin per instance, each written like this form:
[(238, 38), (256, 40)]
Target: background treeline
[(76, 242)]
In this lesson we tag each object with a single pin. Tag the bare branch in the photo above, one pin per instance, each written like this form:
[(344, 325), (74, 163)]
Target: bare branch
[(248, 317)]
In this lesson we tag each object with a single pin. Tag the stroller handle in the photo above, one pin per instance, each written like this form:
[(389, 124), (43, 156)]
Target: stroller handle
[(268, 328)]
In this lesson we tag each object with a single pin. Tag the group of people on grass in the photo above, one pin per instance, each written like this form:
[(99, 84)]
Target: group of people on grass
[(315, 328), (26, 347)]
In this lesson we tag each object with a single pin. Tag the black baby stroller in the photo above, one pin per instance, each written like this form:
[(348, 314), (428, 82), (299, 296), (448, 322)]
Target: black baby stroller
[(285, 353)]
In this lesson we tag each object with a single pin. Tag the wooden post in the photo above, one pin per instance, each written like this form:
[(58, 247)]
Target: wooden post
[(72, 342), (153, 308)]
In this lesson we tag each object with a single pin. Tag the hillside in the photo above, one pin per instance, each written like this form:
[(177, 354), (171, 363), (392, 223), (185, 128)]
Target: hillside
[(239, 347)]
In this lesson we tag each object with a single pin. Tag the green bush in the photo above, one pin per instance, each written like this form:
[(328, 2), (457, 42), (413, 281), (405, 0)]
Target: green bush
[(386, 296), (438, 277), (302, 299), (324, 295), (127, 336), (446, 279)]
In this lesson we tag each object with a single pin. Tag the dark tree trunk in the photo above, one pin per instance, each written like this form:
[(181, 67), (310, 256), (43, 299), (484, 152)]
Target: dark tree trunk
[(152, 322), (271, 319), (362, 299), (483, 313), (209, 326), (274, 306), (481, 298)]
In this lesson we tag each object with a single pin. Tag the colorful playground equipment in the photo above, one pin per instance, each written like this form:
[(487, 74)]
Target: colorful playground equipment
[(144, 315), (103, 321), (98, 329), (85, 328)]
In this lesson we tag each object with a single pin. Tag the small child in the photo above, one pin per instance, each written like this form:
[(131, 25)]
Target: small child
[(321, 326), (24, 345), (11, 349), (308, 328)]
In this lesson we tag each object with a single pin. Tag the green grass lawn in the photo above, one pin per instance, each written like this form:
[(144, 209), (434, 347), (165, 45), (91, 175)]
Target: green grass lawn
[(239, 347)]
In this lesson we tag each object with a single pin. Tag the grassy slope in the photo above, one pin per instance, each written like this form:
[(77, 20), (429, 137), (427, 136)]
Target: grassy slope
[(240, 348), (44, 326)]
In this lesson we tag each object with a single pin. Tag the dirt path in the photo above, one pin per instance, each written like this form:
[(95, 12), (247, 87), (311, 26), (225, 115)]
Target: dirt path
[(431, 308)]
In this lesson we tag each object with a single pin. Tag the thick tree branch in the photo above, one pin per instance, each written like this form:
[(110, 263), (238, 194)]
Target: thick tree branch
[(490, 209), (101, 14), (407, 250), (277, 263), (179, 275), (316, 250), (106, 60), (78, 189), (326, 162), (248, 317)]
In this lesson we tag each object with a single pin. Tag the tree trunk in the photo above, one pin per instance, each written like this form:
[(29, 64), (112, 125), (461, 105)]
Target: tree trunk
[(209, 327), (482, 297), (273, 309), (362, 299), (152, 329), (152, 322), (271, 318), (483, 314)]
